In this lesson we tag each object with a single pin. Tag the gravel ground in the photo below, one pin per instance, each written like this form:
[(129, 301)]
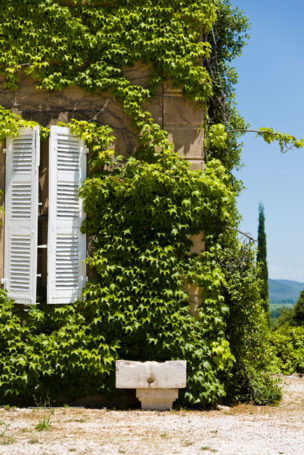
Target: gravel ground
[(242, 430)]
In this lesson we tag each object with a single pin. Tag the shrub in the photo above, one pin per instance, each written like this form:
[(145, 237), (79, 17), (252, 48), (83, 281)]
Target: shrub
[(288, 344), (247, 331)]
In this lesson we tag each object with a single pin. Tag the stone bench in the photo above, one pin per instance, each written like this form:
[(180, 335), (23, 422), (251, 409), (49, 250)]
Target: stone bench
[(156, 383)]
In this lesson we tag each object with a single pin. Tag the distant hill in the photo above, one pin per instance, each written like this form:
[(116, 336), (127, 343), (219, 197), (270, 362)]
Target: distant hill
[(284, 291)]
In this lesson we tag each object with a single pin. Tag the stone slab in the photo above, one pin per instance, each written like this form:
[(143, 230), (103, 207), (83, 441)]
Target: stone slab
[(196, 164), (150, 375), (188, 142), (178, 111)]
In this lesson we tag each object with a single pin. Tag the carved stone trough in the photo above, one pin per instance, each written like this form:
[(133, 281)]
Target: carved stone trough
[(156, 383)]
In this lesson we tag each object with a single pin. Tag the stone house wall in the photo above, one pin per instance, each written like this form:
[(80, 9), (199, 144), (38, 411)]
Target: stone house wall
[(169, 108)]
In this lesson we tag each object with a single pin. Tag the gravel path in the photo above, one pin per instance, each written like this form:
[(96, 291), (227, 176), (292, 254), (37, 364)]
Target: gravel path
[(242, 430)]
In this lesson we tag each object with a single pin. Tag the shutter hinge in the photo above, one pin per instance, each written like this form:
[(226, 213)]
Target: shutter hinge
[(38, 275), (42, 246), (3, 280), (4, 150), (86, 150)]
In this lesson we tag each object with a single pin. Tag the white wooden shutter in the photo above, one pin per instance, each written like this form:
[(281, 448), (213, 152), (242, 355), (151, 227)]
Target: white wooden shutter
[(21, 215), (66, 244)]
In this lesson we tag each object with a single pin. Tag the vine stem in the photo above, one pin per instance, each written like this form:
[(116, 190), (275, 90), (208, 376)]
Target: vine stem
[(243, 130), (242, 233)]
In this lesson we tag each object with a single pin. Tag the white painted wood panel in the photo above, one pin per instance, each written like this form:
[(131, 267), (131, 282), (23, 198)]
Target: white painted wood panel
[(21, 215), (66, 244)]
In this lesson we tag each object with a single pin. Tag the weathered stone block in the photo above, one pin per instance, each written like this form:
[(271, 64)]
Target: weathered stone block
[(198, 244), (188, 142), (140, 375), (178, 111), (156, 383), (196, 164), (138, 74)]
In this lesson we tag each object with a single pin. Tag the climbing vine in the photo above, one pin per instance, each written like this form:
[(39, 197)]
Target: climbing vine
[(141, 211), (10, 122), (88, 45)]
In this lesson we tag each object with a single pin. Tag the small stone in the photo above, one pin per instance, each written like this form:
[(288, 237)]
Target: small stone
[(223, 408)]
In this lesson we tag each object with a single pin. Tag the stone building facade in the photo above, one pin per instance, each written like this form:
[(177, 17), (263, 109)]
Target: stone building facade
[(169, 108)]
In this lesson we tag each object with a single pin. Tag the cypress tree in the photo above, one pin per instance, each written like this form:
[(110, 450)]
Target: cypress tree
[(262, 259), (298, 311)]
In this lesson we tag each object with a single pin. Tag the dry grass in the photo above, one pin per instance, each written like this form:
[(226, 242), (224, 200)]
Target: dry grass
[(243, 430)]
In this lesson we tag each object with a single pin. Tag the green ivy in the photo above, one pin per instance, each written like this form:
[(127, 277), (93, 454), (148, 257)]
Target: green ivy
[(88, 45), (136, 306), (141, 211), (10, 122)]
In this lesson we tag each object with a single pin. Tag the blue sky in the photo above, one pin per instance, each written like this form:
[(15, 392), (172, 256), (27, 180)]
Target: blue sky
[(270, 92)]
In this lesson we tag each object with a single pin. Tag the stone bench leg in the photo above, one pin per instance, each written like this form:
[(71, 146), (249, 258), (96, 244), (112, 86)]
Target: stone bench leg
[(156, 399)]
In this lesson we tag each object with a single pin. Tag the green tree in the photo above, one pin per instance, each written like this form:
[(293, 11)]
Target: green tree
[(292, 316), (262, 259), (298, 310), (285, 317)]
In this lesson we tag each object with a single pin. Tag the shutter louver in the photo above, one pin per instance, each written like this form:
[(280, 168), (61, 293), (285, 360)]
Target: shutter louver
[(66, 244), (21, 215)]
